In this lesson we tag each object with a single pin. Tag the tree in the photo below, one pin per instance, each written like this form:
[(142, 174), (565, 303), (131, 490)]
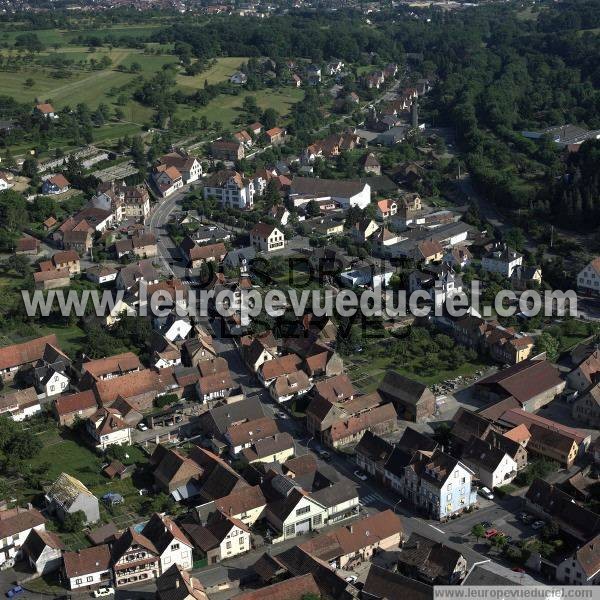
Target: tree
[(548, 344), (20, 264), (270, 118), (74, 522), (478, 531)]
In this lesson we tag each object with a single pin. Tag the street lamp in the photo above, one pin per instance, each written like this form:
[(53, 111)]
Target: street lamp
[(395, 505)]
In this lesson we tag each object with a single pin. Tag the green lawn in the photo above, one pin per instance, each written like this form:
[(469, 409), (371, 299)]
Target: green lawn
[(227, 108), (222, 70)]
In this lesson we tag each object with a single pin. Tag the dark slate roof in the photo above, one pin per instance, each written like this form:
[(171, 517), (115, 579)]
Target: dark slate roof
[(398, 460), (432, 559), (342, 491), (381, 583), (396, 386), (374, 447), (415, 440)]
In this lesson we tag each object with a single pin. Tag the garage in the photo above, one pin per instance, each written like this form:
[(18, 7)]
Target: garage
[(303, 527)]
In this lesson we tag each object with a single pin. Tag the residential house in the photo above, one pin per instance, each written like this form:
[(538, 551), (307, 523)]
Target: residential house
[(140, 245), (173, 471), (349, 546), (588, 279), (502, 260), (363, 230), (15, 526), (243, 435), (438, 484), (109, 367), (526, 277), (266, 238), (230, 150), (130, 275), (238, 78), (230, 189), (380, 419), (106, 427), (19, 404), (275, 136), (287, 386), (221, 538), (69, 408), (502, 344), (68, 495), (167, 180), (244, 137), (50, 372), (431, 562), (335, 389), (459, 256), (20, 356), (586, 372), (275, 449), (46, 110), (43, 551), (294, 512), (295, 588), (553, 445), (493, 466), (173, 547), (586, 407), (101, 274), (245, 504), (197, 255), (371, 164), (583, 566), (87, 568), (215, 387), (413, 400), (371, 454), (576, 522), (382, 584), (134, 559), (58, 184), (177, 584), (189, 166), (386, 209), (67, 260)]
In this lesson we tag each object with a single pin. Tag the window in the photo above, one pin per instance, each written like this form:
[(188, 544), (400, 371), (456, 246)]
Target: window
[(290, 530), (77, 581), (228, 544), (90, 578), (167, 560), (449, 497), (241, 540), (302, 511), (317, 520)]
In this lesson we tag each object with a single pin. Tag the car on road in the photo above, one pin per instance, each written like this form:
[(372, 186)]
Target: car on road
[(324, 455), (351, 578), (486, 493), (518, 570), (490, 533), (360, 475), (104, 591), (486, 524), (538, 524), (14, 591), (142, 427)]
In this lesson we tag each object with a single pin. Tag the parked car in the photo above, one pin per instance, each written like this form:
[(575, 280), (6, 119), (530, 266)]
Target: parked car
[(486, 493), (525, 518), (14, 591), (538, 524), (351, 578), (490, 533), (142, 427), (360, 475), (104, 591), (324, 455), (518, 570), (486, 524)]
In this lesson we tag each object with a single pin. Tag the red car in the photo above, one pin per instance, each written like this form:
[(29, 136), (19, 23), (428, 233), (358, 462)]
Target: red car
[(490, 533), (518, 570)]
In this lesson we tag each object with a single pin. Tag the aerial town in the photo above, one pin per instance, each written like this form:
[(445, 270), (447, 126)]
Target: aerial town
[(174, 423)]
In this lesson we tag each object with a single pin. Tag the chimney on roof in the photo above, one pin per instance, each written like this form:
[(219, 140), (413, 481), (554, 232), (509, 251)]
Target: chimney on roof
[(177, 583)]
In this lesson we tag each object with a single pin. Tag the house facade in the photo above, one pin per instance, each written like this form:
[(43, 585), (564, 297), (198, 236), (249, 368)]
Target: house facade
[(266, 238), (588, 279)]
